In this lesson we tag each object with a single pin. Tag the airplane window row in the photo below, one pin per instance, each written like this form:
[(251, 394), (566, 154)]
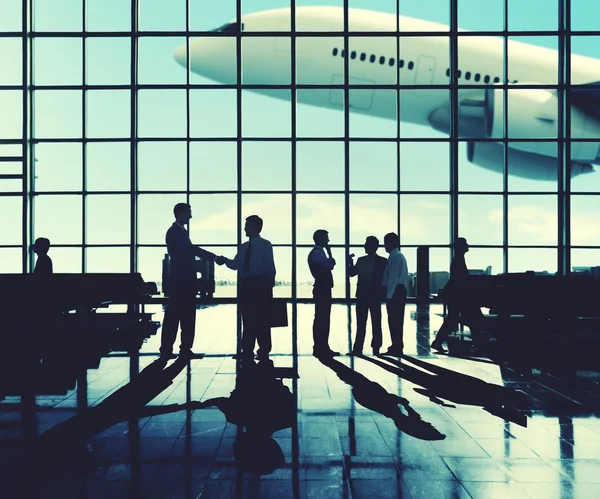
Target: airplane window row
[(372, 58), (476, 76)]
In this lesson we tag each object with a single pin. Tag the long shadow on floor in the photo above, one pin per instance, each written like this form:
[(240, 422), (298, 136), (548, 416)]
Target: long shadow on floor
[(373, 396), (439, 384)]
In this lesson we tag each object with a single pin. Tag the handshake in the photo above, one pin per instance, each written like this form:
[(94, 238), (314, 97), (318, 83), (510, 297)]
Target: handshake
[(220, 260)]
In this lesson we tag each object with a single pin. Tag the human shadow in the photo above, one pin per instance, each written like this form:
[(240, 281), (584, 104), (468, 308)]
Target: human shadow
[(376, 398), (440, 384), (260, 404)]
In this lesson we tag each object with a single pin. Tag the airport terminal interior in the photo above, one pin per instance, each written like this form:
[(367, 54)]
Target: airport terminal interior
[(229, 171)]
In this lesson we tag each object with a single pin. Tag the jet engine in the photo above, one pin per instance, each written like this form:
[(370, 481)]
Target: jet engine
[(490, 155), (533, 114)]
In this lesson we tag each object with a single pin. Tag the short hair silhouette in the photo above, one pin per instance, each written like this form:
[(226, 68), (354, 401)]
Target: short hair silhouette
[(372, 240), (392, 239), (180, 208), (42, 244), (460, 241), (256, 222), (319, 235)]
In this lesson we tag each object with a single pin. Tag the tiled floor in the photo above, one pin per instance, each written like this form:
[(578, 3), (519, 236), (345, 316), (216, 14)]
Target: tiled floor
[(351, 437)]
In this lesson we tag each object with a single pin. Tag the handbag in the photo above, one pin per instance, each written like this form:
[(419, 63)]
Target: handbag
[(279, 317)]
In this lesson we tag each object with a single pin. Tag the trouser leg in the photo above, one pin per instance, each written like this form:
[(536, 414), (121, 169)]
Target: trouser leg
[(375, 309), (450, 324), (187, 320), (169, 326), (321, 322), (362, 309), (395, 309)]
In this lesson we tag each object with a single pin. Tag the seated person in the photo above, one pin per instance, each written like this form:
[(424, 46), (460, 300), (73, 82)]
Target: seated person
[(43, 265)]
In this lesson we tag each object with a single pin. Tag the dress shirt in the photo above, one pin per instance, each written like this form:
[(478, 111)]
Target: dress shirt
[(261, 260), (395, 273), (183, 254), (320, 258)]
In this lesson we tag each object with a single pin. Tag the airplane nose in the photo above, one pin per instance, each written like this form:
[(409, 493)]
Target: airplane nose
[(180, 55)]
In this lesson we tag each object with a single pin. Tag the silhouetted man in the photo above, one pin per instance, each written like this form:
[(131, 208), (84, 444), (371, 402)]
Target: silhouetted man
[(395, 277), (182, 285), (321, 263), (43, 266), (256, 275), (459, 308), (369, 294)]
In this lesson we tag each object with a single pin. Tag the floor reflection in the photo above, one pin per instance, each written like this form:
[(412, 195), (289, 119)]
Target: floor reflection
[(132, 425)]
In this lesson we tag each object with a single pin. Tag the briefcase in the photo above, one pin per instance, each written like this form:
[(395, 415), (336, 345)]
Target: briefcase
[(279, 316)]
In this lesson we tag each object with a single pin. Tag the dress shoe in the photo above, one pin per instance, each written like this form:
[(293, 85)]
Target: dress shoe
[(376, 351), (394, 352), (438, 346), (355, 353)]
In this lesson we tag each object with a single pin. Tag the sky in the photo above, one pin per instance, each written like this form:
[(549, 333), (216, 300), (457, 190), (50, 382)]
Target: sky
[(424, 218)]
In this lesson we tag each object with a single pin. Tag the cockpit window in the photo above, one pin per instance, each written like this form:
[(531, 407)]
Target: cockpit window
[(230, 28)]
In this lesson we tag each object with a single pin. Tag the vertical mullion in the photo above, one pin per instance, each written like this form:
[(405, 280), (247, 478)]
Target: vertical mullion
[(560, 139), (346, 149), (187, 101), (564, 220), (294, 145), (505, 145), (398, 128), (24, 139), (83, 144), (454, 125), (133, 140), (238, 52)]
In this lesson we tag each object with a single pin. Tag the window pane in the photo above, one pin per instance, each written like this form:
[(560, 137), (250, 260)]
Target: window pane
[(532, 220), (372, 215), (66, 260), (57, 113), (283, 277), (424, 219), (373, 166), (108, 219), (11, 61), (208, 71), (480, 219), (156, 63), (469, 18), (314, 121), (204, 16), (276, 212), (108, 166), (149, 264), (585, 213), (11, 118), (162, 113), (58, 218), (525, 16), (424, 166), (107, 260), (155, 216), (108, 15), (305, 62), (162, 166), (532, 172), (478, 168), (11, 15), (58, 61), (266, 166), (215, 219), (538, 260), (256, 108), (108, 61), (213, 166), (381, 103), (582, 258), (108, 113), (11, 185), (213, 113), (156, 15), (58, 15), (279, 56), (58, 166), (320, 166), (581, 20), (320, 211), (11, 222), (545, 42), (411, 125), (485, 260), (11, 261)]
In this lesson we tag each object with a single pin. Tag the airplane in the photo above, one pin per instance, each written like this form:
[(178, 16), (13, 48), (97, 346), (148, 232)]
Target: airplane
[(393, 62)]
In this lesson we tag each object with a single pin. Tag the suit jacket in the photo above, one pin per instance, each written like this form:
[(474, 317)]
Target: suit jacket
[(182, 253), (370, 270), (323, 276)]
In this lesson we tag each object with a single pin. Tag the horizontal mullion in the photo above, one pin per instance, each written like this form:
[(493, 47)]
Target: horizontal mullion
[(10, 176), (6, 159), (308, 191)]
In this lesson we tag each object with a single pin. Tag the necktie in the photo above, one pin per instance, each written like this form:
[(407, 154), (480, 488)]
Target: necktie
[(246, 266)]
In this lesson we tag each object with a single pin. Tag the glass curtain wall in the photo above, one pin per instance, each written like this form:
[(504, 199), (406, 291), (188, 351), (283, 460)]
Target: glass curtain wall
[(433, 119)]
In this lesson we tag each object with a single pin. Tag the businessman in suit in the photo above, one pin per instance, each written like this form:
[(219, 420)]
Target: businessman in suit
[(321, 263), (182, 285), (369, 294), (256, 275)]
